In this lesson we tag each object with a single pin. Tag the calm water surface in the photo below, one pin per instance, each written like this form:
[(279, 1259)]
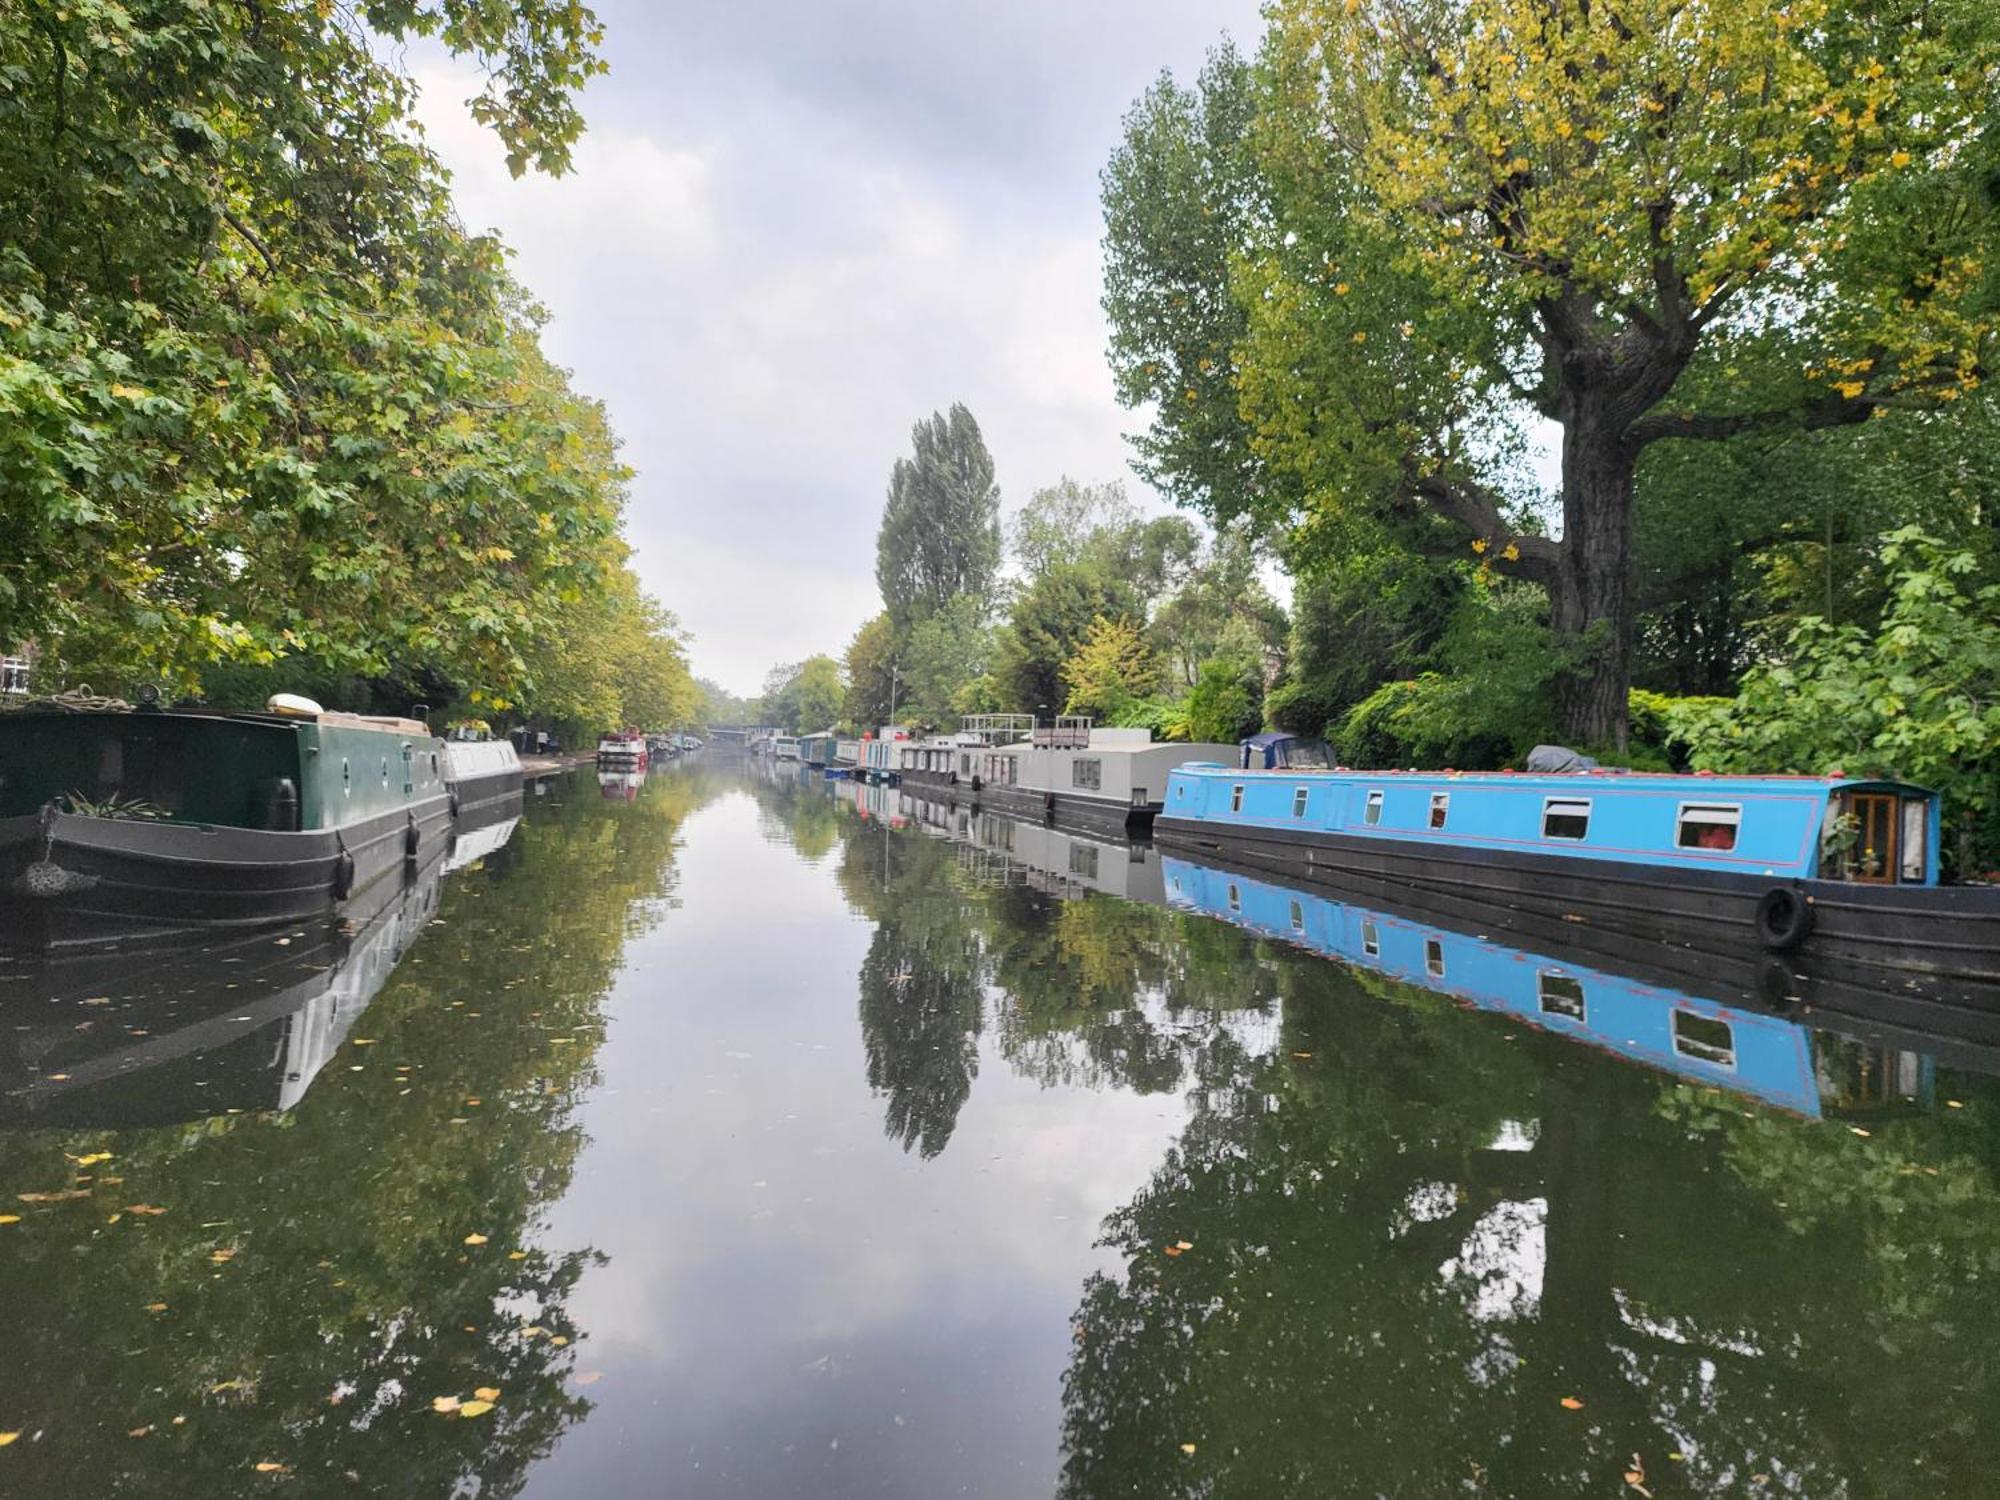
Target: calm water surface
[(736, 1135)]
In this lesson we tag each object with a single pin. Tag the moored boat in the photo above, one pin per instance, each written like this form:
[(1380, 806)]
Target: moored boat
[(1080, 772), (623, 749), (141, 824), (881, 754), (479, 771), (1846, 865)]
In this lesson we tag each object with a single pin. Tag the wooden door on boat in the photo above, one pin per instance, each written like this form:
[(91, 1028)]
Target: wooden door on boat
[(1874, 858)]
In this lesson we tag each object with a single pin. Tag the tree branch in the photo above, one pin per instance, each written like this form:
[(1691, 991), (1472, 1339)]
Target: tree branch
[(1479, 511)]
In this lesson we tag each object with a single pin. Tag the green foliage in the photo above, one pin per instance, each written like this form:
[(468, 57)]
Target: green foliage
[(872, 685), (1061, 522), (1224, 706), (1111, 669), (946, 662), (940, 534), (1918, 698), (804, 697), (260, 395), (1048, 624)]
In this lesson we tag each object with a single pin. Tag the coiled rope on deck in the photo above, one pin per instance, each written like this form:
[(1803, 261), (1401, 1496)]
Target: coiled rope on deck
[(78, 700)]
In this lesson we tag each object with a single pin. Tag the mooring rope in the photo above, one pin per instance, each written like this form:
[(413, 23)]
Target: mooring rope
[(78, 700)]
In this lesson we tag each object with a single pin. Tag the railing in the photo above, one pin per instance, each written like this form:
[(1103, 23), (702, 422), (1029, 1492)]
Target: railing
[(998, 729)]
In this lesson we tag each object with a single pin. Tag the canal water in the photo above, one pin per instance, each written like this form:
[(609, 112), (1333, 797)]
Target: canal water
[(734, 1133)]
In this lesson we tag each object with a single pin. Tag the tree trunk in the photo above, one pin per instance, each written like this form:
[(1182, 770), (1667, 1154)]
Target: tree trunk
[(1592, 598)]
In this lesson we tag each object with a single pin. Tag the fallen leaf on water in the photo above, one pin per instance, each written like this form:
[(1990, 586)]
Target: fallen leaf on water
[(1173, 1249), (219, 1256), (143, 1208), (488, 1393), (364, 1041), (267, 1467), (475, 1239), (138, 1432), (228, 1385), (1302, 1054), (1858, 1130), (445, 1404), (590, 1377), (1187, 1447), (10, 1218), (91, 1160), (475, 1408), (7, 1437), (1185, 1245), (58, 1078), (114, 1218), (1953, 1104), (58, 1197), (156, 1307), (1572, 1403)]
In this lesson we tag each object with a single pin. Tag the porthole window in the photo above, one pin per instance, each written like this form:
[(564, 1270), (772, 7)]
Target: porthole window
[(1300, 797), (1372, 814), (1707, 826), (1565, 818)]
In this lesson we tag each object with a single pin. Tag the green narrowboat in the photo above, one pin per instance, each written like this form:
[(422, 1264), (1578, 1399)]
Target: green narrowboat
[(136, 824)]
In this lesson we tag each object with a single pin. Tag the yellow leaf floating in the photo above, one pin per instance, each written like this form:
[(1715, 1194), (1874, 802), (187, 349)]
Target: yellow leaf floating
[(91, 1160), (267, 1467), (1187, 1448), (7, 1437), (1572, 1403), (475, 1408), (10, 1218), (475, 1239), (488, 1393), (445, 1405), (517, 1255)]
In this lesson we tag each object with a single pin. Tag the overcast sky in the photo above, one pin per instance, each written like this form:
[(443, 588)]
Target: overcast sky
[(797, 226)]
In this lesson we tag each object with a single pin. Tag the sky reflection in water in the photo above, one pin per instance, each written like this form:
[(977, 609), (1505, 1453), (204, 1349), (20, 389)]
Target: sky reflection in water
[(811, 1155)]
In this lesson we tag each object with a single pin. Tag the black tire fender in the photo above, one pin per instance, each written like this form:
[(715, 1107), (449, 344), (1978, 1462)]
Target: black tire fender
[(1784, 918), (413, 839), (343, 876)]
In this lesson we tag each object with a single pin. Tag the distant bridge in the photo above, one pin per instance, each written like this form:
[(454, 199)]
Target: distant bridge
[(737, 734)]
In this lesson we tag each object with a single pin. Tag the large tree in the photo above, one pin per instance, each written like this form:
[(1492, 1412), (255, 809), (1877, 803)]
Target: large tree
[(940, 533), (1655, 223)]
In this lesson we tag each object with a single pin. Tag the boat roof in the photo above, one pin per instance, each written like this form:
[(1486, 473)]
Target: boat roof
[(1581, 780)]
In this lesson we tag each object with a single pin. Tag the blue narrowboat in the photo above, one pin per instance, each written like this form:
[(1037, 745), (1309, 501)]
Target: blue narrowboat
[(1847, 863)]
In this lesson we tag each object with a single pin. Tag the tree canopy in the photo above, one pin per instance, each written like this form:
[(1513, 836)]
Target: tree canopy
[(940, 534)]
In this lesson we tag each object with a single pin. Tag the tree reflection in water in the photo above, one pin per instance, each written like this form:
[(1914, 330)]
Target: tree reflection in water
[(312, 1282)]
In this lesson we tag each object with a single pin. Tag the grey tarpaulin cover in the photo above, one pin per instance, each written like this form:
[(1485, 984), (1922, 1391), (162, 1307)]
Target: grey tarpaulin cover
[(1558, 758)]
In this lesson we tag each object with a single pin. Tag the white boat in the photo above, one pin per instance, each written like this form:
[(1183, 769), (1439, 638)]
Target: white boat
[(1076, 770)]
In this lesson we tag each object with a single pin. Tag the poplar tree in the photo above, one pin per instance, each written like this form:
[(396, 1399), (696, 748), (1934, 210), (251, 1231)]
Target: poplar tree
[(940, 535)]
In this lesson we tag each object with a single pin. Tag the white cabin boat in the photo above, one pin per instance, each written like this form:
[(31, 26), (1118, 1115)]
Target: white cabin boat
[(1077, 770)]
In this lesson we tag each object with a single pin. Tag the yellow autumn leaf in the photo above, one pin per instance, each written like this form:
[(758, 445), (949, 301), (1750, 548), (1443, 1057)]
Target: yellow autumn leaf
[(267, 1467), (156, 1307), (475, 1408), (7, 1437), (475, 1239), (1187, 1447), (488, 1393), (128, 392), (91, 1160), (10, 1218), (517, 1255), (444, 1404), (1572, 1403)]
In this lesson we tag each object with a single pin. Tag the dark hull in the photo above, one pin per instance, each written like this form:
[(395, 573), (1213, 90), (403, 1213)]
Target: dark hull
[(78, 881), (1069, 810), (931, 783), (477, 792), (1950, 932)]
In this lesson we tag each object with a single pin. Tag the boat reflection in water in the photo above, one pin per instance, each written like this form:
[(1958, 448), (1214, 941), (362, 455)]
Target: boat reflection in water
[(1763, 1029), (620, 786), (109, 1041)]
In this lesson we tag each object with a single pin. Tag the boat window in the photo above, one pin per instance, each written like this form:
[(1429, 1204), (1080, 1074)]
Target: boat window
[(1565, 818), (1560, 995), (1087, 773), (1298, 917), (385, 770), (1704, 1039), (1371, 940), (1299, 798), (1083, 860), (1236, 798), (1916, 830), (1434, 958), (1873, 858), (1373, 814), (965, 765), (1440, 808), (346, 779), (1707, 826), (1235, 897)]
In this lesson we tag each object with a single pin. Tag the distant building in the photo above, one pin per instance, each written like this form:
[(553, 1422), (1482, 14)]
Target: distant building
[(16, 667)]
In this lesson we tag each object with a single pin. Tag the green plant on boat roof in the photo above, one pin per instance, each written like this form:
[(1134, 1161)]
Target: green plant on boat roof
[(114, 806)]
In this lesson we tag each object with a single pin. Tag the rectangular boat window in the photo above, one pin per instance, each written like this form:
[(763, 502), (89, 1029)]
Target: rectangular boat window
[(1916, 830), (1874, 858), (1235, 897), (1083, 860), (1434, 958), (1565, 818), (1298, 917), (1087, 773), (1373, 812), (1299, 799), (1560, 995), (1236, 798), (1371, 940), (1707, 825), (1704, 1039), (1440, 808)]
